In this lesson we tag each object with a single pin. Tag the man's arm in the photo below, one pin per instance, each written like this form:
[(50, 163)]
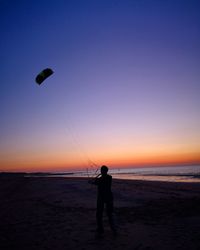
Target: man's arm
[(94, 181)]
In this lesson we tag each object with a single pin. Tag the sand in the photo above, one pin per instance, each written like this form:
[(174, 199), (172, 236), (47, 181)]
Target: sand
[(59, 213)]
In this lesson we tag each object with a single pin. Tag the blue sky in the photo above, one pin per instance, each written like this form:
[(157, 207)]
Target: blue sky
[(125, 88)]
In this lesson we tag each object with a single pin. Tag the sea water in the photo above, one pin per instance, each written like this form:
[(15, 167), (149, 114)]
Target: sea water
[(170, 174)]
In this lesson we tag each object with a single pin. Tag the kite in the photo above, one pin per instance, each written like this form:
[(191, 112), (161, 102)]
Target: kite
[(43, 75)]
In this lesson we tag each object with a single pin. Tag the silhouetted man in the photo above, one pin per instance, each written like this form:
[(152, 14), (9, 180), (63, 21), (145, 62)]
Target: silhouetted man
[(104, 196)]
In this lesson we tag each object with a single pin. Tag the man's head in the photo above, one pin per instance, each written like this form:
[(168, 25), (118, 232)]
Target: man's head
[(104, 170)]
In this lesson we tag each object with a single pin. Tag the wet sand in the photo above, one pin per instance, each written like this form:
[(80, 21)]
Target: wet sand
[(59, 213)]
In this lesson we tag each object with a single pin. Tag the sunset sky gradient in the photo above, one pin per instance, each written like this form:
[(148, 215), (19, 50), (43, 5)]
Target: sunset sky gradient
[(125, 89)]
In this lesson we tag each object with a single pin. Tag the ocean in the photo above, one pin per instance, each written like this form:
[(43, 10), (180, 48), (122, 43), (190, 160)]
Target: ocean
[(169, 174)]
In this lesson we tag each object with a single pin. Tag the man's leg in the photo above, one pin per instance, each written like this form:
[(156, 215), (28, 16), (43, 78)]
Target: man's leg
[(109, 208), (99, 215)]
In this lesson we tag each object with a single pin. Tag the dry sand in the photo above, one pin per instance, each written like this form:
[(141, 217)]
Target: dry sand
[(59, 213)]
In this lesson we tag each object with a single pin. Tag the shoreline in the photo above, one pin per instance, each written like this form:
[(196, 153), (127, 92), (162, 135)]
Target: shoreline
[(171, 178), (167, 174)]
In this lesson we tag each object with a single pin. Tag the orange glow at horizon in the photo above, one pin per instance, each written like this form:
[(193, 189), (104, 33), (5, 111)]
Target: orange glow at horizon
[(59, 162)]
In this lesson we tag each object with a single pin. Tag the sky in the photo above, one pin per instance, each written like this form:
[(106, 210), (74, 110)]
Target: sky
[(125, 90)]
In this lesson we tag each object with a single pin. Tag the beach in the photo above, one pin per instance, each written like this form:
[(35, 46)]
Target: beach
[(59, 213)]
